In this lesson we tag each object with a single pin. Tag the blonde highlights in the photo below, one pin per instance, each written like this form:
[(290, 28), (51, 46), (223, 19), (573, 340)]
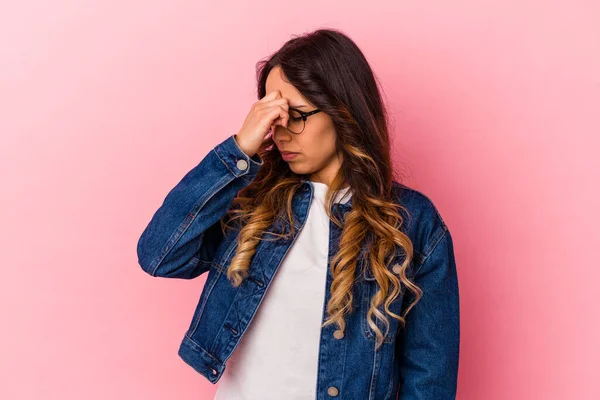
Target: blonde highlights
[(331, 72), (375, 220)]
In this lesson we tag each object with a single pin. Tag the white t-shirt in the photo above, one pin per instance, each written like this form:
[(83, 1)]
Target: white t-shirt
[(277, 357)]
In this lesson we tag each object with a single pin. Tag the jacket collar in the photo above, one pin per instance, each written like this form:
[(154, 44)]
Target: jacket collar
[(345, 202)]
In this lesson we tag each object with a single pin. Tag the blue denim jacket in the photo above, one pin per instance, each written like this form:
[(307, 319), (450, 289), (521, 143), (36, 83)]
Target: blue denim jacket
[(184, 240)]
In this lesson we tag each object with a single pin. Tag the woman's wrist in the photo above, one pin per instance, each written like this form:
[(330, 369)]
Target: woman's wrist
[(242, 147)]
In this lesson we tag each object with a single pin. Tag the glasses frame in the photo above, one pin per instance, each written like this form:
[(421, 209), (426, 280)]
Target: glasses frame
[(304, 115)]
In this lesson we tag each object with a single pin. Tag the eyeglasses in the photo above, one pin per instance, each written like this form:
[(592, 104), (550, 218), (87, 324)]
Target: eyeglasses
[(297, 120)]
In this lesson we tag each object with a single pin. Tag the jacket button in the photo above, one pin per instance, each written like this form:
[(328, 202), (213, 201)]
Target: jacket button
[(397, 268), (333, 391), (338, 334), (214, 371), (242, 164)]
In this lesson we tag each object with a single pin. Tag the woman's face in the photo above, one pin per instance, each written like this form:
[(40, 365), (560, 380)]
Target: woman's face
[(315, 144)]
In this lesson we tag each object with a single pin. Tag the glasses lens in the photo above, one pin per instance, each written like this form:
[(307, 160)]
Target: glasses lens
[(296, 122)]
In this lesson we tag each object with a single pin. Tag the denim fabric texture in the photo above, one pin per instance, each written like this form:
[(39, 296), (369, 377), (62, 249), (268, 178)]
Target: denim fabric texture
[(184, 240)]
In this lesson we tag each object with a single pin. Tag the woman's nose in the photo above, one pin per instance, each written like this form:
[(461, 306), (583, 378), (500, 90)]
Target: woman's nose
[(280, 133)]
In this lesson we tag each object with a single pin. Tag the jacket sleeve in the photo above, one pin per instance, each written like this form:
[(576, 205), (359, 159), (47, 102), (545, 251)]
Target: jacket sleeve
[(429, 347), (183, 235)]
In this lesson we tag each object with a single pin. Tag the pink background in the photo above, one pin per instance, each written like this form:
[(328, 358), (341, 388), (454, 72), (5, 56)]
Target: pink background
[(105, 105)]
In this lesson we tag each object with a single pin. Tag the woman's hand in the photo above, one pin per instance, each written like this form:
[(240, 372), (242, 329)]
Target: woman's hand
[(269, 111)]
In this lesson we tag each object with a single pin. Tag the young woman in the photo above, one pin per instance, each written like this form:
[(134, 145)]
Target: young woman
[(327, 278)]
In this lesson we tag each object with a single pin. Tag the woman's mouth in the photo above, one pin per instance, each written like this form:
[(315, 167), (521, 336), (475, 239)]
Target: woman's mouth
[(287, 156)]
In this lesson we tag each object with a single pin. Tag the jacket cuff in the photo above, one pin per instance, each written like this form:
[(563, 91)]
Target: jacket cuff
[(234, 158)]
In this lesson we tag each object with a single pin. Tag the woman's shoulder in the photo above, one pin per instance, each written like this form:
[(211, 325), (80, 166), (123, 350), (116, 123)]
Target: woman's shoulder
[(423, 222), (417, 200)]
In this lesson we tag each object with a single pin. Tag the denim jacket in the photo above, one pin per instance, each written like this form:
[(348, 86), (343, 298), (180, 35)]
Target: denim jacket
[(184, 240)]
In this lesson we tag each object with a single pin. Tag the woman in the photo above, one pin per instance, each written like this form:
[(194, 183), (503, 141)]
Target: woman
[(326, 277)]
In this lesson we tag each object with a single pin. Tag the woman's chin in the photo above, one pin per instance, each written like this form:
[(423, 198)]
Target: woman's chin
[(298, 168)]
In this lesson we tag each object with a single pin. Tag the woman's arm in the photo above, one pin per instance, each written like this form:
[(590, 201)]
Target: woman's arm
[(183, 235), (429, 349)]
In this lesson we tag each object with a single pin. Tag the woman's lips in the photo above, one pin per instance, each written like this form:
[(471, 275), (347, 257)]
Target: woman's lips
[(287, 156)]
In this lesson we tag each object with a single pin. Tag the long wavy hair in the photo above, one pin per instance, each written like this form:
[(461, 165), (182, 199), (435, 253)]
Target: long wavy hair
[(329, 69)]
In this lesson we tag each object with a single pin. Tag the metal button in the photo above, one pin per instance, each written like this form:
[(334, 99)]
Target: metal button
[(333, 391), (242, 164), (397, 268), (214, 371), (338, 334)]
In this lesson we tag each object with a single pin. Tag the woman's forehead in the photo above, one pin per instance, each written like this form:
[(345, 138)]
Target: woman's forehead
[(287, 90)]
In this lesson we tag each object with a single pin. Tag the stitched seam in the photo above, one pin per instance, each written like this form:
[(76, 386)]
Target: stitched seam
[(228, 166), (375, 366), (196, 320), (432, 250), (203, 349)]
